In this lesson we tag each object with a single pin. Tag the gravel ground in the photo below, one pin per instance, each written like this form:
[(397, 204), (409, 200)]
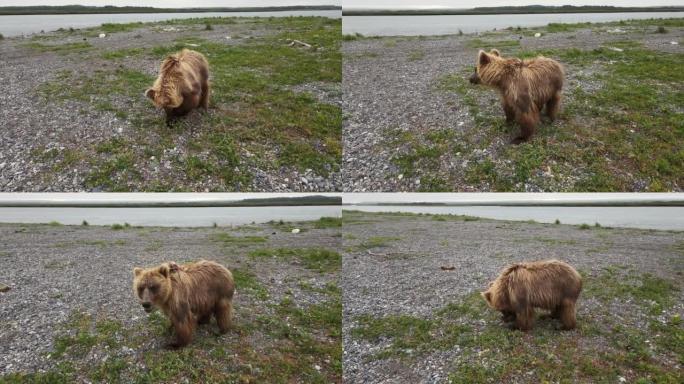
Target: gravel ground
[(390, 84), (29, 125), (405, 276), (53, 271)]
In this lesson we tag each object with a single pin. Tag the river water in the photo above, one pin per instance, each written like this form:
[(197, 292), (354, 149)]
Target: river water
[(167, 217), (451, 24), (663, 218), (28, 24)]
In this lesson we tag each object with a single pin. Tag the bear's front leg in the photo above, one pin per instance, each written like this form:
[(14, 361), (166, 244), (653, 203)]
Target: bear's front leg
[(507, 316), (527, 121), (524, 319), (509, 112), (184, 326)]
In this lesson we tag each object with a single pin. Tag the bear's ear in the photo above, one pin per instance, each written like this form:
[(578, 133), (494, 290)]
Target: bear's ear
[(483, 58), (495, 52), (137, 271), (487, 296), (173, 267), (150, 93), (164, 270)]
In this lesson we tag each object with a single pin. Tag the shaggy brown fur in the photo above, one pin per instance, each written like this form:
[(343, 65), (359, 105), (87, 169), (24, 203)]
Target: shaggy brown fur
[(182, 85), (526, 87), (188, 294), (550, 284)]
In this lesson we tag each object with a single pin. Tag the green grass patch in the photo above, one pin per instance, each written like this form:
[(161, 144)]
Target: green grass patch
[(565, 27), (317, 259), (328, 222), (416, 56), (91, 243), (255, 118), (227, 239), (246, 281), (377, 242), (653, 293), (422, 153), (628, 131), (601, 349), (62, 49), (489, 44), (123, 53), (119, 27), (293, 340)]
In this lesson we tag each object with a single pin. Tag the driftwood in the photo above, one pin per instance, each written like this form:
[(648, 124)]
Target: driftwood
[(297, 43)]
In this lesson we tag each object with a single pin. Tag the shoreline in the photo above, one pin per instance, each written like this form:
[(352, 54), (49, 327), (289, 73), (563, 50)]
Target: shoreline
[(350, 35), (92, 10)]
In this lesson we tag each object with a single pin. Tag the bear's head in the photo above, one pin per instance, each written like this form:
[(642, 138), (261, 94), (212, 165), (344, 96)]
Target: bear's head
[(483, 60), (152, 286), (496, 297), (167, 92), (167, 99)]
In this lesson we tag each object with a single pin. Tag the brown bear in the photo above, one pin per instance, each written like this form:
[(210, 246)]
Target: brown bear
[(550, 284), (182, 85), (188, 295), (526, 87)]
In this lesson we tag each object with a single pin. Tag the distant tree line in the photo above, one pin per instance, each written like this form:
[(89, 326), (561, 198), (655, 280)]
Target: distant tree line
[(509, 10), (81, 9)]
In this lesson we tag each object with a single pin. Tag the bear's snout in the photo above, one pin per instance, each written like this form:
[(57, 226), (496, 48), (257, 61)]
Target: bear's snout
[(475, 79), (147, 307)]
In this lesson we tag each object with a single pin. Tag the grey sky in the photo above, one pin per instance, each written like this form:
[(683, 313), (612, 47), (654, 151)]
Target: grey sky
[(395, 4), (174, 3)]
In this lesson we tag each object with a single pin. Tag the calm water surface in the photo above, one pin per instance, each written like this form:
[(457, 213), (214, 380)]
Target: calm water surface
[(664, 218), (451, 24), (167, 217), (28, 24)]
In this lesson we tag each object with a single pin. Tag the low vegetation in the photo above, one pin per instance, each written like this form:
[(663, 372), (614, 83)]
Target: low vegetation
[(255, 120), (276, 336), (317, 259), (625, 108), (604, 348)]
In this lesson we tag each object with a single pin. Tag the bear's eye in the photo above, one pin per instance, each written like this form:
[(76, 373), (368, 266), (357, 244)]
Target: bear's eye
[(154, 288), (140, 290)]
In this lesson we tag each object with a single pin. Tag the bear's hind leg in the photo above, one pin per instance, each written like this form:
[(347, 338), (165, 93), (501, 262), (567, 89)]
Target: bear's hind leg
[(553, 106), (204, 98), (204, 319), (223, 313), (567, 314)]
